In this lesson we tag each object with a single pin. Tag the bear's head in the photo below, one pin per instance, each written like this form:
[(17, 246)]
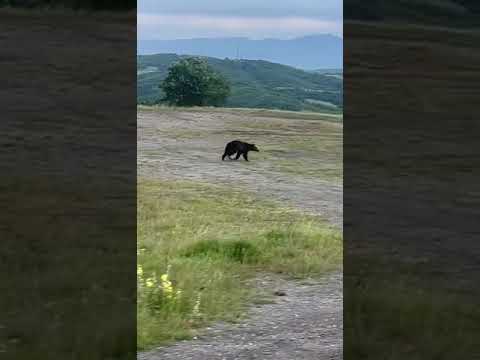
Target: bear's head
[(252, 147)]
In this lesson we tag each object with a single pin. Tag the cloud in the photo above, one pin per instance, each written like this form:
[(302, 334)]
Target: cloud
[(164, 26), (325, 9)]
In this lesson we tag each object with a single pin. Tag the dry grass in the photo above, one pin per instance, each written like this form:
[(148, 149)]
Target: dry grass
[(269, 113)]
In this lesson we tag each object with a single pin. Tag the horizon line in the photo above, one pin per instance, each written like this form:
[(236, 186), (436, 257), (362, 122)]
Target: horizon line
[(239, 59), (340, 36)]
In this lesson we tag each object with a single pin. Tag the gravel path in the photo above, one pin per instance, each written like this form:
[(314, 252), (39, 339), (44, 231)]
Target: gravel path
[(307, 322)]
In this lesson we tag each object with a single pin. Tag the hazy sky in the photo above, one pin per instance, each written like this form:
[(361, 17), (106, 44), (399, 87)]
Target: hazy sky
[(176, 19)]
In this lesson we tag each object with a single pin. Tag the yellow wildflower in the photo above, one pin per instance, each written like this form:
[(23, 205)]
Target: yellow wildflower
[(150, 282), (167, 286)]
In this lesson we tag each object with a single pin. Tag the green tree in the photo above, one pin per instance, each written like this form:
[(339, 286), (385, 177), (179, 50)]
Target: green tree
[(192, 82)]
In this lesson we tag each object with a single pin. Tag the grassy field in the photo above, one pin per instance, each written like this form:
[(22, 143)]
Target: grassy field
[(410, 196), (68, 233), (198, 246), (271, 113), (61, 266), (390, 315)]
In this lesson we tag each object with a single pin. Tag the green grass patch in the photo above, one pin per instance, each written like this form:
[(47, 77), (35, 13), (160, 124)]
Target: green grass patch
[(394, 311), (395, 321), (198, 245), (61, 270), (235, 251)]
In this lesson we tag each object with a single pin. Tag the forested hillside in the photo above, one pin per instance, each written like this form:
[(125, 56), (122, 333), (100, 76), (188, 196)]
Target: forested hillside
[(254, 83)]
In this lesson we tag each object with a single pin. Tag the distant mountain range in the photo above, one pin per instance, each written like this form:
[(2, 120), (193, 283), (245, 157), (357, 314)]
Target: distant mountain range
[(254, 84), (309, 52)]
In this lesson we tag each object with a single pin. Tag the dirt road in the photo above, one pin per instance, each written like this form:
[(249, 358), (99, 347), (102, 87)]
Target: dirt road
[(299, 165)]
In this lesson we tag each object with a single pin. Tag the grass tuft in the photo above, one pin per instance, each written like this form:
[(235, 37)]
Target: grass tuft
[(237, 251)]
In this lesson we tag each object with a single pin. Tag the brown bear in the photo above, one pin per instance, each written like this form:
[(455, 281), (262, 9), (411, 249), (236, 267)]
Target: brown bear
[(239, 147)]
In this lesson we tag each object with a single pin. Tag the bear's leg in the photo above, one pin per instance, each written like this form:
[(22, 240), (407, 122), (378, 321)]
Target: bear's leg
[(245, 156), (230, 153), (238, 155)]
